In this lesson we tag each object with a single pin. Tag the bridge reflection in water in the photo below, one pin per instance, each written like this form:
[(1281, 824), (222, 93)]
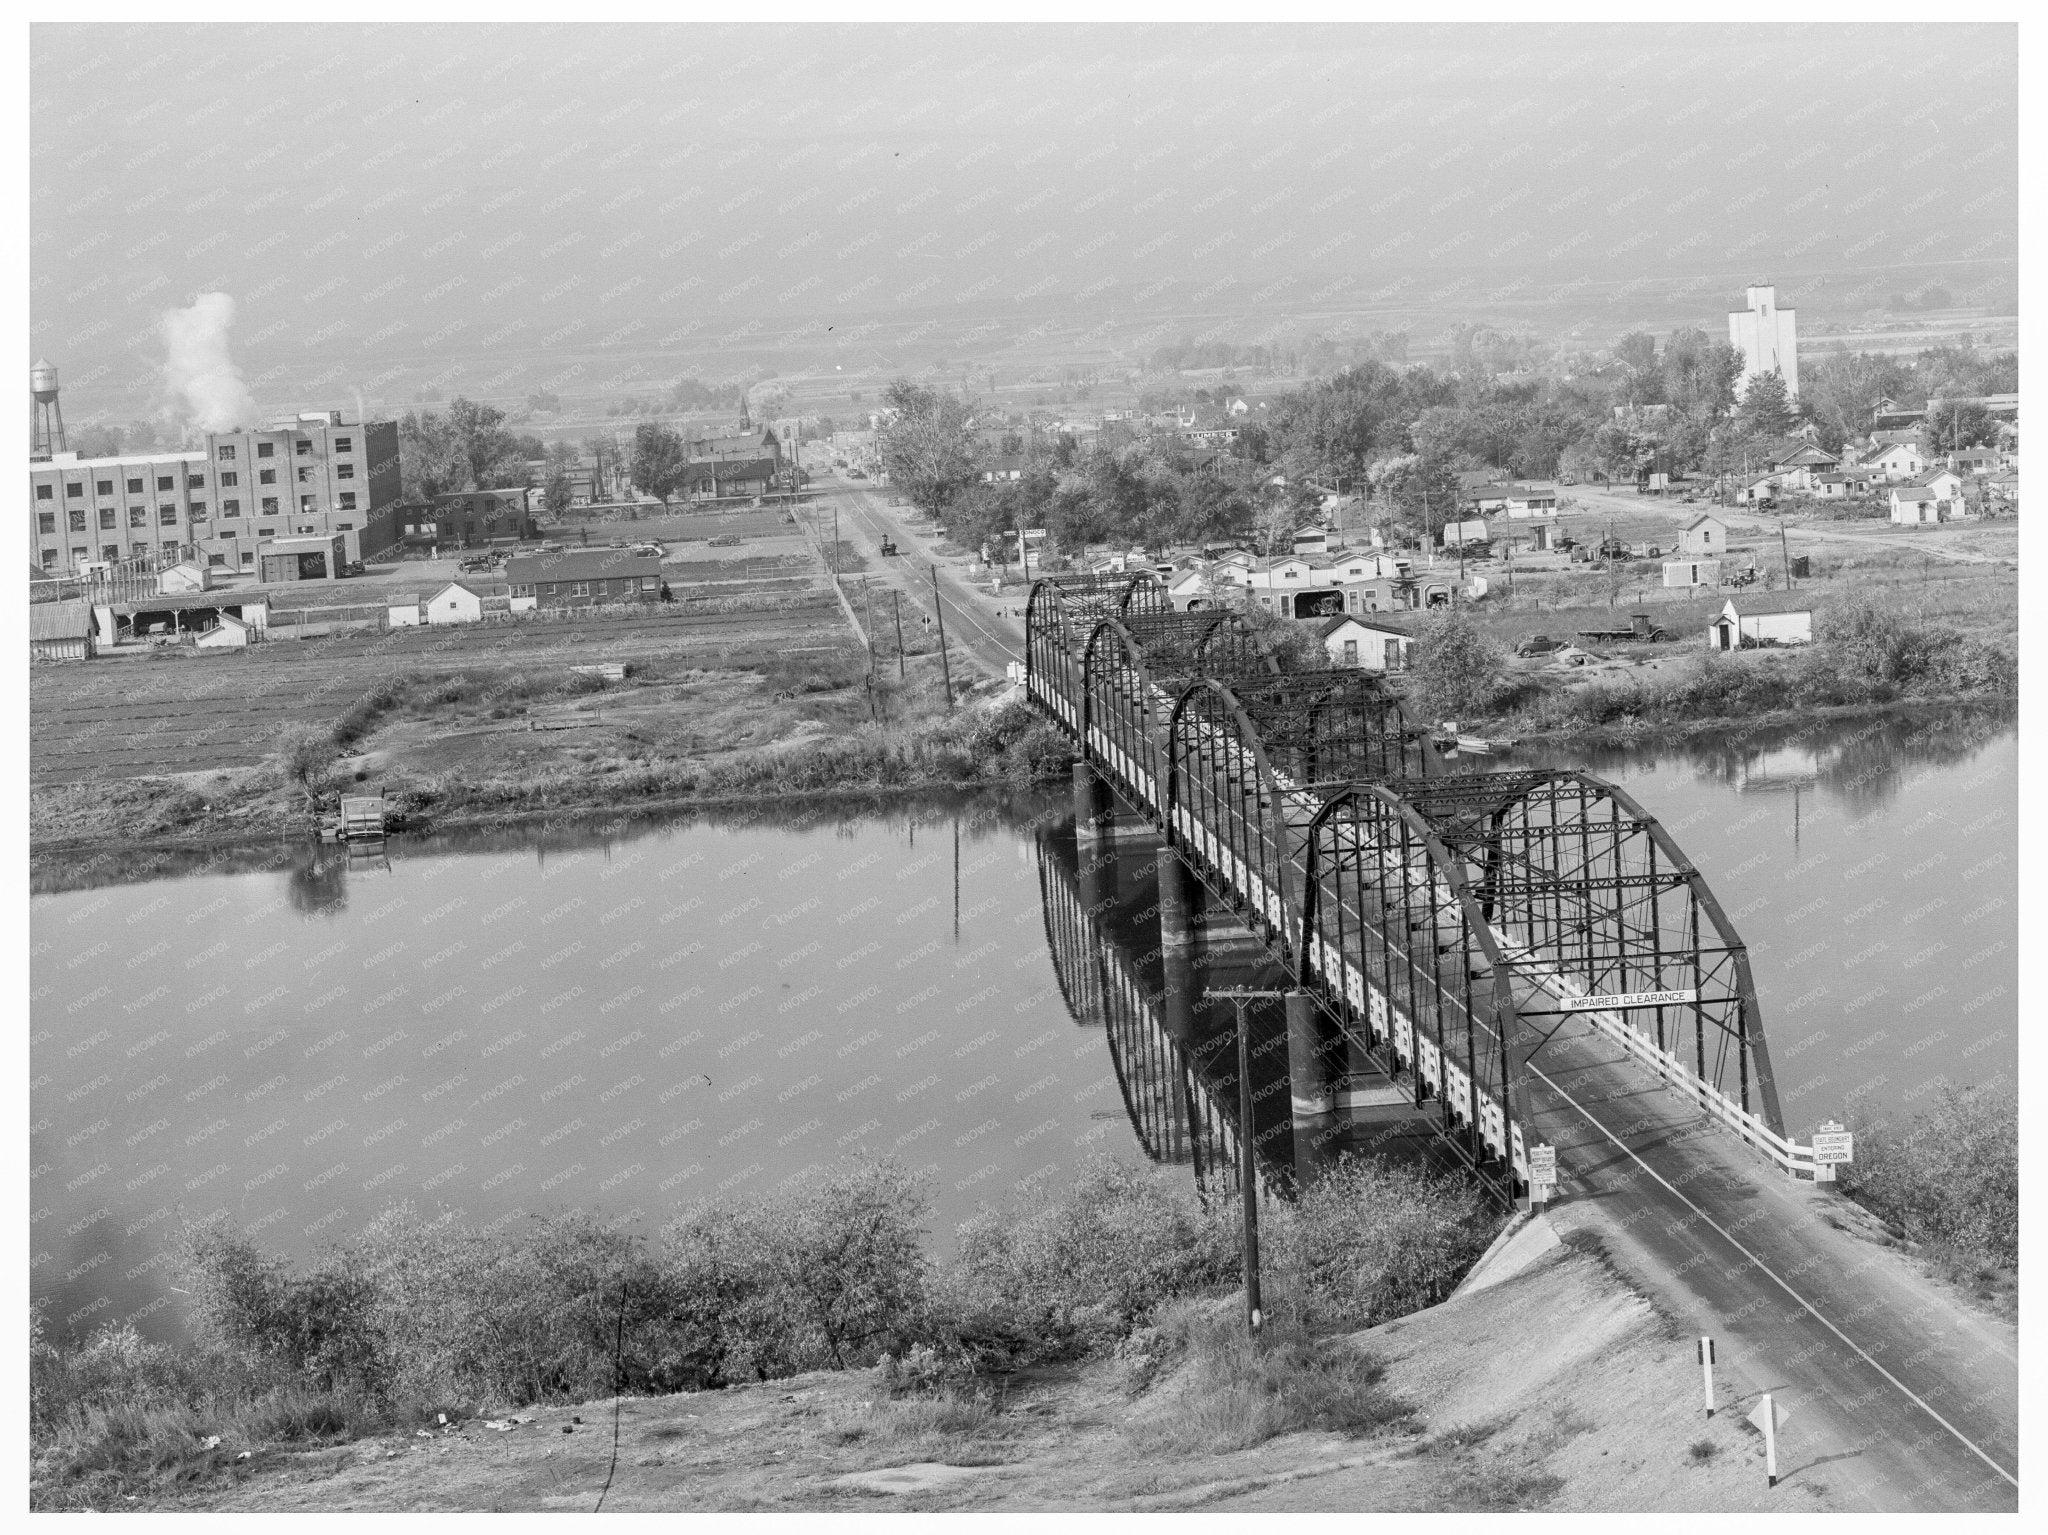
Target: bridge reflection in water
[(1174, 1050)]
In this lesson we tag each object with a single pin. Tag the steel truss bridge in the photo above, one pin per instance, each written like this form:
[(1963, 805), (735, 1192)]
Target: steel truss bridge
[(1444, 923)]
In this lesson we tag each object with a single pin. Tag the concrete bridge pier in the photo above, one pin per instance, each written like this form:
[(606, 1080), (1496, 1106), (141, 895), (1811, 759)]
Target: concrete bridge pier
[(1179, 904), (1311, 1056), (1094, 806)]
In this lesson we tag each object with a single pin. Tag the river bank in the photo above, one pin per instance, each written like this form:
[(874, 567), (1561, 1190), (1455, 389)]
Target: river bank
[(995, 742)]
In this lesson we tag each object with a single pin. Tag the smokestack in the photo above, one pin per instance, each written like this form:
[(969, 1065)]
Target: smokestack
[(45, 415), (198, 367)]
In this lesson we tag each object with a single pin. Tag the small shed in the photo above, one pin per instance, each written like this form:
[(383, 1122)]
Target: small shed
[(230, 633), (1705, 534), (1372, 645), (1920, 503), (404, 611), (185, 577), (310, 557), (455, 604), (61, 631), (1692, 572), (1782, 618)]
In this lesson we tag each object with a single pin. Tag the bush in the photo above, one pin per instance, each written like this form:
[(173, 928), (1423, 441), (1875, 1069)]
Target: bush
[(1372, 1240), (1458, 670), (1078, 1271), (1950, 1179)]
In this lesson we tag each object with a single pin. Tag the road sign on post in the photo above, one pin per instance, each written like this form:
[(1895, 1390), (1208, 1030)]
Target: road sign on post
[(1707, 1371), (1542, 1172), (1766, 1418), (1832, 1146)]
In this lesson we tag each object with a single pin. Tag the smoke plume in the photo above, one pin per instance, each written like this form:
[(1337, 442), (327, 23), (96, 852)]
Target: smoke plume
[(198, 367)]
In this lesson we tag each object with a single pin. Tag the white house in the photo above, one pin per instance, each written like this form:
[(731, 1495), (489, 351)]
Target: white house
[(1515, 499), (1837, 484), (1893, 461), (1705, 534), (1766, 619), (1923, 503), (185, 577), (455, 604), (403, 611), (1692, 572), (1945, 483), (1471, 531), (1371, 645)]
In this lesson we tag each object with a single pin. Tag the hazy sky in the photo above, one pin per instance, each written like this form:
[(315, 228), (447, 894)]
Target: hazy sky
[(388, 204)]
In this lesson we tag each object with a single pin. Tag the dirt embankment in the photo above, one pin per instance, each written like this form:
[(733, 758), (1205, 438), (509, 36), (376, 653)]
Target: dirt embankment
[(1545, 1383)]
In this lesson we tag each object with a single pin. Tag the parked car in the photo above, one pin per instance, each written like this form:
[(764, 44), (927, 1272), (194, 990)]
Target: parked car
[(856, 474)]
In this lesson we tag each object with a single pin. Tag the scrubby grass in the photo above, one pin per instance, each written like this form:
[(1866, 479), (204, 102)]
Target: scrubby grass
[(416, 1316), (1229, 1390)]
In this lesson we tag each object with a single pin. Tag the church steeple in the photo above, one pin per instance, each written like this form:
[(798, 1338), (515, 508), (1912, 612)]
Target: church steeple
[(746, 421)]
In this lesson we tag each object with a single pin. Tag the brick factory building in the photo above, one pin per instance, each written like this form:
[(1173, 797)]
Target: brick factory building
[(216, 505), (585, 578)]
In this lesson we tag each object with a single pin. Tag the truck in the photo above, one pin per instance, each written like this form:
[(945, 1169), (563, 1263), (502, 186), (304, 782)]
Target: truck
[(1640, 628)]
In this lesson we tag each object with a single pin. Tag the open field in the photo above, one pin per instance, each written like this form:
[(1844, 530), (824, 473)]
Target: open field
[(181, 711)]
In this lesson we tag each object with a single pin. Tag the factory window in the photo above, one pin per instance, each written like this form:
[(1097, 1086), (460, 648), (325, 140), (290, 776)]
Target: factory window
[(79, 554), (46, 522), (135, 486), (106, 516), (167, 515), (269, 506), (49, 559), (305, 503), (45, 493), (75, 488), (248, 556), (198, 508), (78, 520), (225, 454), (305, 448), (195, 482), (138, 516), (231, 508), (265, 532), (138, 550), (166, 482), (266, 449), (305, 476), (344, 527), (266, 477), (348, 501), (344, 444), (105, 487), (215, 561), (230, 478), (308, 527), (580, 589), (344, 471), (110, 551)]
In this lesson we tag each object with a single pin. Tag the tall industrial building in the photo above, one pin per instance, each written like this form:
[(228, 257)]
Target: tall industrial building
[(218, 504), (1766, 337)]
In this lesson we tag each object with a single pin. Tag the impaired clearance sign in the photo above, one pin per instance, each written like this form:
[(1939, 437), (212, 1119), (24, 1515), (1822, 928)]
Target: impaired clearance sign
[(1629, 999)]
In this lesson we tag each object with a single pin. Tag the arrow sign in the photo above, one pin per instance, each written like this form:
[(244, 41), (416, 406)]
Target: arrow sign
[(1766, 1418)]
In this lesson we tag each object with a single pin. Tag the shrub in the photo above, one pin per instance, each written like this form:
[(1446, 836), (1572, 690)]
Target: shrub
[(1950, 1179), (1083, 1269), (1373, 1240)]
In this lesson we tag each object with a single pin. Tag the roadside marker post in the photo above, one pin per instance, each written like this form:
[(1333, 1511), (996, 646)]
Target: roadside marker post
[(1707, 1371), (1766, 1417)]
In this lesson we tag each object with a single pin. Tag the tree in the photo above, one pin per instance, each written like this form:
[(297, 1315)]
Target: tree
[(558, 494), (303, 756), (661, 462), (926, 448), (1457, 671), (485, 448), (1767, 405), (1421, 495), (1959, 425), (430, 460)]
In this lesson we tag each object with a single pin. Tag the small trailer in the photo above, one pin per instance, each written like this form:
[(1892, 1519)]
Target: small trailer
[(1640, 628)]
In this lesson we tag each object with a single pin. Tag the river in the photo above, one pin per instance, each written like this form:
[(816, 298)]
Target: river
[(637, 1016)]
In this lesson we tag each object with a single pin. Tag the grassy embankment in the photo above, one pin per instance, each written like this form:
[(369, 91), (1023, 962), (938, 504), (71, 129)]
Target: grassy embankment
[(421, 1321), (497, 742)]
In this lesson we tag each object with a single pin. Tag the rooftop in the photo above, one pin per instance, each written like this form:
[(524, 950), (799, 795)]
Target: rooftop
[(581, 565)]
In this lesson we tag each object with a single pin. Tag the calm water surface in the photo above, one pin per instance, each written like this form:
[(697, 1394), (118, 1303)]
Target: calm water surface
[(635, 1019)]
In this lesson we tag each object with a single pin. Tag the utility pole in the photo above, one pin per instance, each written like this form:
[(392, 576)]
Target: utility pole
[(835, 543), (900, 672), (1784, 549), (1247, 1171), (945, 661)]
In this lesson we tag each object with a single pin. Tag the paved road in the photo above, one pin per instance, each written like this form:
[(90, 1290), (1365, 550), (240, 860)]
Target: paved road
[(1787, 1278), (974, 623)]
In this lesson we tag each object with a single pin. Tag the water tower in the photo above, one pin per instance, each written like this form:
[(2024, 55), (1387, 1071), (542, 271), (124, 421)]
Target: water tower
[(45, 415)]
